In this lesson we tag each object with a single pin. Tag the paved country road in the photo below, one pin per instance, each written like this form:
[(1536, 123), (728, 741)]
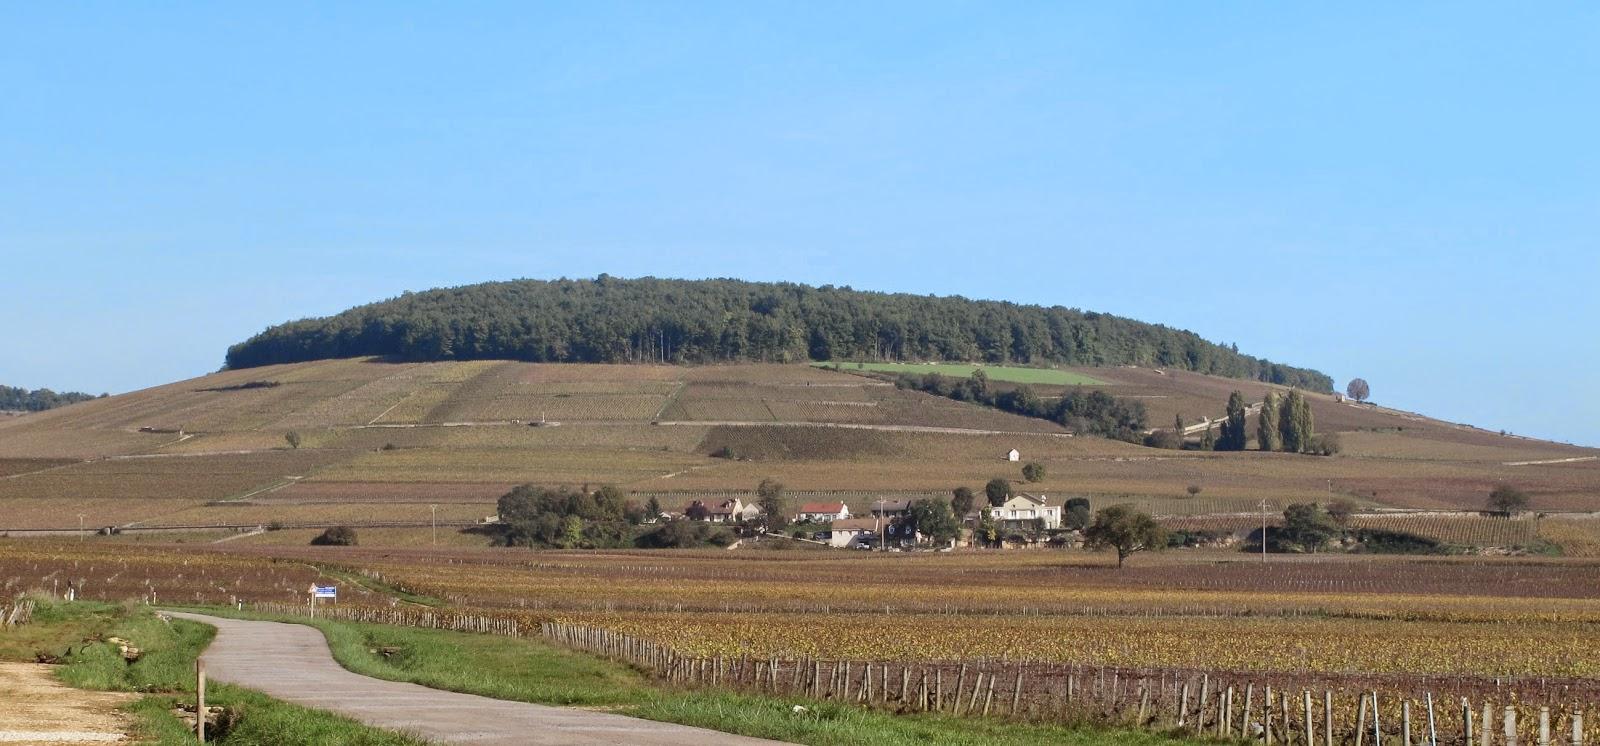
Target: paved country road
[(292, 662)]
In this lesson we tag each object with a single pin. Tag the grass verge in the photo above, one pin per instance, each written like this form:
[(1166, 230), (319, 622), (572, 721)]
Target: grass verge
[(164, 672), (533, 671)]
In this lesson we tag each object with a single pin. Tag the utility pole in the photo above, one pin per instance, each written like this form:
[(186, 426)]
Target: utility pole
[(434, 509), (879, 525), (1263, 531)]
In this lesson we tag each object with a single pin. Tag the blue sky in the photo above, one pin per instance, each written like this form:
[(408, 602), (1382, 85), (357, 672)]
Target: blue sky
[(1409, 194)]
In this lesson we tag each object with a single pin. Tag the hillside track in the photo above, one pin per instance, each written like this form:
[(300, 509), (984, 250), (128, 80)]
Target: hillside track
[(292, 662)]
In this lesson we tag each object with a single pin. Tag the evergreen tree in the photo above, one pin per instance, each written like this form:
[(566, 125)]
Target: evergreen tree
[(1268, 435), (1233, 436)]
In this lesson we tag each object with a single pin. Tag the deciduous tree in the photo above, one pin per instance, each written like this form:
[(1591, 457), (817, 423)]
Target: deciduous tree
[(1358, 389), (1125, 530), (1508, 500), (998, 490), (961, 500)]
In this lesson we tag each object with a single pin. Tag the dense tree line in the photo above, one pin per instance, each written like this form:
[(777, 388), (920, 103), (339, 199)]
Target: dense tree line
[(696, 321), (14, 399), (1094, 412)]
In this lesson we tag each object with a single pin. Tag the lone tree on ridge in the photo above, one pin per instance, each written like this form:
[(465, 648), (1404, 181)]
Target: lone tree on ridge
[(1358, 389)]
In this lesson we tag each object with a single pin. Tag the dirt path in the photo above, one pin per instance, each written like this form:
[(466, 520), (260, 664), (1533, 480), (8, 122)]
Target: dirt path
[(291, 662), (35, 708)]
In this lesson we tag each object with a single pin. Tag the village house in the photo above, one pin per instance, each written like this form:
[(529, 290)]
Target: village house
[(845, 532), (1013, 455), (727, 511), (890, 508), (1022, 507), (823, 512)]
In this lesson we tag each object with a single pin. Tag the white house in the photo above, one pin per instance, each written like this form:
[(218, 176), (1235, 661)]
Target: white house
[(727, 511), (1024, 507), (845, 532), (823, 512), (1013, 455)]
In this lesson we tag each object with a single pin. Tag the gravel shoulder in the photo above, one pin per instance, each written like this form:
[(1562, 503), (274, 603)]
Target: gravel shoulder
[(39, 709)]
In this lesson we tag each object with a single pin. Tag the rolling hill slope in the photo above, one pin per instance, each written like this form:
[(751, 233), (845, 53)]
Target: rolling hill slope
[(382, 441)]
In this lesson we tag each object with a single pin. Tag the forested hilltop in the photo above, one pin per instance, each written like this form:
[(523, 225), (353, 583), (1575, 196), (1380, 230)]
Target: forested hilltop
[(13, 399), (697, 321)]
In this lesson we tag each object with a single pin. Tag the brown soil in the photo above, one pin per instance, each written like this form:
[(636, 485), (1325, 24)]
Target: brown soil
[(40, 709)]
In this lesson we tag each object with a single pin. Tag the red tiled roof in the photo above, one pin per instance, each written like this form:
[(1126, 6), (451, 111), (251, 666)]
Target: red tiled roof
[(822, 507)]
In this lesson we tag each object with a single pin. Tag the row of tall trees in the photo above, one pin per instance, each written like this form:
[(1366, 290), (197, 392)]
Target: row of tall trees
[(1094, 412), (1285, 423), (13, 399), (691, 321)]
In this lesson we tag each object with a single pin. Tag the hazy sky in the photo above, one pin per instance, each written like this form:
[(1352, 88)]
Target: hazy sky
[(1409, 194)]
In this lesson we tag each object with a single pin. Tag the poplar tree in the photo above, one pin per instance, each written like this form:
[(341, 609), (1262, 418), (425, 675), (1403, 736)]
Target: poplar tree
[(1268, 437), (1233, 436), (1294, 423), (1304, 423)]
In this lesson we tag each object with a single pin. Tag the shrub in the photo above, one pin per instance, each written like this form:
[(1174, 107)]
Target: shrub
[(338, 536), (685, 535)]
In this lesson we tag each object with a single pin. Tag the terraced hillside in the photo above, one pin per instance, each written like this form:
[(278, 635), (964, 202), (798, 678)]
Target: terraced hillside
[(381, 442)]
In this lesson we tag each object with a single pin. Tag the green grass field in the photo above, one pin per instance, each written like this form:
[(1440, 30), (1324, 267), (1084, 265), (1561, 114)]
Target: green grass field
[(1049, 376)]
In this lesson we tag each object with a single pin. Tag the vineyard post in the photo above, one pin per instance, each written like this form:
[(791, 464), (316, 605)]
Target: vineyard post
[(1405, 722), (1577, 726), (1511, 726), (1016, 693), (1486, 726), (988, 697), (1244, 717), (1361, 720), (1183, 705), (938, 689), (1466, 722), (1544, 726), (200, 700), (1306, 721), (1327, 717), (1266, 717)]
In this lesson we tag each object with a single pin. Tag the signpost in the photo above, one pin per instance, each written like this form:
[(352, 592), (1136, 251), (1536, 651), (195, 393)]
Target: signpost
[(322, 591)]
